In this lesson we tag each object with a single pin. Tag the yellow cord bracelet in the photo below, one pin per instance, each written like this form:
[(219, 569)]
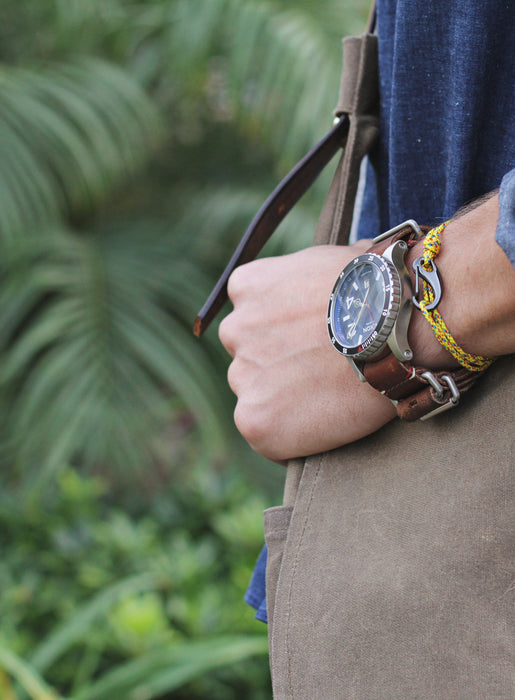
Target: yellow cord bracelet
[(474, 363)]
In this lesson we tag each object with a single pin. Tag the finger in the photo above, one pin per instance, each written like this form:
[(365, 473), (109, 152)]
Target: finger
[(240, 374), (238, 282), (227, 334)]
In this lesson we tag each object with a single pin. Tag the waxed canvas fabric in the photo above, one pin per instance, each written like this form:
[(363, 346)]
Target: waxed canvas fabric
[(359, 98), (390, 565), (396, 576)]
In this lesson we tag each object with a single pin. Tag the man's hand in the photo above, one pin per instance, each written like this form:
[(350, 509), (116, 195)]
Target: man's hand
[(296, 394)]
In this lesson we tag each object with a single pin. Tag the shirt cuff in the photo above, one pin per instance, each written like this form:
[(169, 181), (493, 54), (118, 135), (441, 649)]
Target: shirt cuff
[(505, 234)]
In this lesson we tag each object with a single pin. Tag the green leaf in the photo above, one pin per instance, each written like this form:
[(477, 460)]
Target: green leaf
[(69, 134), (26, 675), (162, 671), (106, 336), (69, 632)]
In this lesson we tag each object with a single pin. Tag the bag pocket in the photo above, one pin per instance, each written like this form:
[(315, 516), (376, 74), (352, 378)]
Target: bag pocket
[(276, 523)]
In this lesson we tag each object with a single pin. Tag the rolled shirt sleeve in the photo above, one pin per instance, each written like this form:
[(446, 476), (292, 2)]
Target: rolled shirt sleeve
[(505, 234)]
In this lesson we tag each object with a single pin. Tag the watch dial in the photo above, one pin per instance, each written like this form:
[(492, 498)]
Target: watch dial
[(358, 304)]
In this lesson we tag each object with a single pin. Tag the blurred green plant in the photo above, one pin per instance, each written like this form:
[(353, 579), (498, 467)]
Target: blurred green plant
[(70, 134), (137, 139), (132, 605)]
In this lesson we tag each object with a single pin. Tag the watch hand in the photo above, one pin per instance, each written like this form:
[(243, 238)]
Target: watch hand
[(355, 323)]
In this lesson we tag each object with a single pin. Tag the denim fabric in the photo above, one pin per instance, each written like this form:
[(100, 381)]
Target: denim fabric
[(256, 592), (506, 225), (447, 79)]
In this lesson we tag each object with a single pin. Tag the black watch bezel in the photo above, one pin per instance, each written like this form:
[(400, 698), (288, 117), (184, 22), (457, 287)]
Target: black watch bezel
[(376, 341)]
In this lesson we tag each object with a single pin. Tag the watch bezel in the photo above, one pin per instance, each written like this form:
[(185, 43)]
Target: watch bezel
[(376, 341)]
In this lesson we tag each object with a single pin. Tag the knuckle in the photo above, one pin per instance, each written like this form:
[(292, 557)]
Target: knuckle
[(224, 330), (234, 376), (237, 282), (253, 424), (246, 279), (227, 334)]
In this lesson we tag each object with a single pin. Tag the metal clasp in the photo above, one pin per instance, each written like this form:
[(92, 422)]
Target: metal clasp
[(432, 277), (410, 222), (454, 398)]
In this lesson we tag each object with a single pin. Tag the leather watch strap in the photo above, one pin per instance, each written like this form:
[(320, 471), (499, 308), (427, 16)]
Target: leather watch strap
[(428, 401), (413, 388)]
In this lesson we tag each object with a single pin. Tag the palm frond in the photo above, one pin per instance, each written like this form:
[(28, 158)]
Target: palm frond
[(69, 135), (228, 211), (282, 70), (95, 328), (95, 351)]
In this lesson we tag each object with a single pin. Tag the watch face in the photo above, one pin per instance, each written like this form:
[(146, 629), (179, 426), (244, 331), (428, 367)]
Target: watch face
[(360, 305)]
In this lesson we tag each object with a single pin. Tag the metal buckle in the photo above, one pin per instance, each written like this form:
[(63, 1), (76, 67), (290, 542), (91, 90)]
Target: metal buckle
[(410, 222), (454, 398)]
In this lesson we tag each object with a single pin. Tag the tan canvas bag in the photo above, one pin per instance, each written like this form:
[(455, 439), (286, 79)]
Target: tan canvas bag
[(391, 568), (390, 565)]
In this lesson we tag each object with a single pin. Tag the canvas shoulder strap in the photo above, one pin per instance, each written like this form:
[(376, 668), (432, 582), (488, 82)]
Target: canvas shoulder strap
[(359, 99)]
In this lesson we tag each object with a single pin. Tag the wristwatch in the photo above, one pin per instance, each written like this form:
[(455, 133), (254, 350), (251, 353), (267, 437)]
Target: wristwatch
[(369, 313)]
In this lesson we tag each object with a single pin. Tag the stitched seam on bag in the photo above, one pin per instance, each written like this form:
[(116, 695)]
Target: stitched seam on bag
[(361, 70), (294, 569), (348, 157)]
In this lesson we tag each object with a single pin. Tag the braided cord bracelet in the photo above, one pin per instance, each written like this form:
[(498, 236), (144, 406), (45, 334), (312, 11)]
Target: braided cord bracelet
[(474, 363)]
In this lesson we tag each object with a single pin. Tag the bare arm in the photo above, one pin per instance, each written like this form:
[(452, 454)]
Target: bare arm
[(479, 289), (296, 395)]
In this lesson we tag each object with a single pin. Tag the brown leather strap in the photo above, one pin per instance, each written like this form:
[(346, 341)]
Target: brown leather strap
[(415, 395), (273, 211), (393, 378), (423, 402), (356, 131)]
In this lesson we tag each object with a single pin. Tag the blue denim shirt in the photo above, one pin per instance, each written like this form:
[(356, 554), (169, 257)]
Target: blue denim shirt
[(447, 88)]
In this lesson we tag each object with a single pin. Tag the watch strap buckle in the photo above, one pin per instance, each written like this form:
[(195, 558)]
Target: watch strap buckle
[(417, 392), (440, 391), (409, 224), (443, 391)]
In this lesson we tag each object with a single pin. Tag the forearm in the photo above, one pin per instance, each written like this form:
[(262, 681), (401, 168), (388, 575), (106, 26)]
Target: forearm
[(478, 302)]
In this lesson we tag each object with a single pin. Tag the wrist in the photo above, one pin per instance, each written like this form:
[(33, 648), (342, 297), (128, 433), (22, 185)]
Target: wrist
[(478, 282), (427, 350)]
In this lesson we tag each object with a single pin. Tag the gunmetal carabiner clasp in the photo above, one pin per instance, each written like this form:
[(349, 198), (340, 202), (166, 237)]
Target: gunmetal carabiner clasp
[(432, 277)]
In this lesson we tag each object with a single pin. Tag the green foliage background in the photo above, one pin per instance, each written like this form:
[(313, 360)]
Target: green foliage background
[(137, 139)]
